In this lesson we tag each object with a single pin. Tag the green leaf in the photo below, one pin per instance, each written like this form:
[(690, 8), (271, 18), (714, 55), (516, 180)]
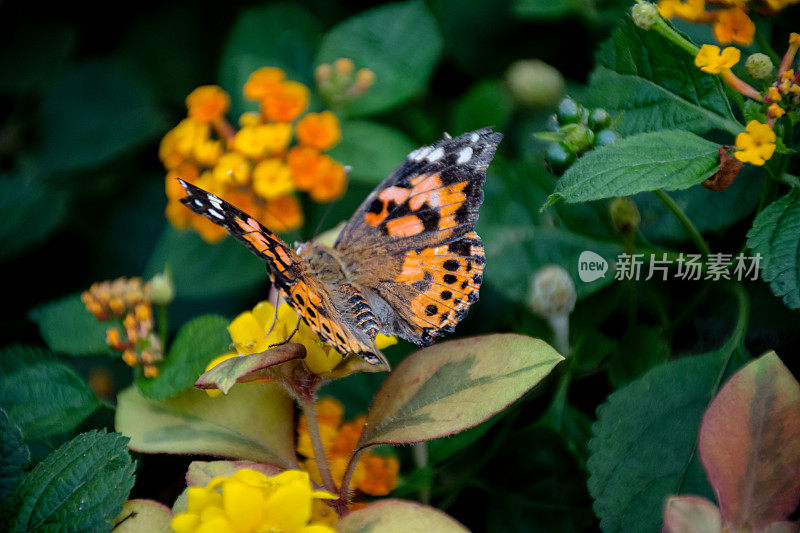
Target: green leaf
[(668, 160), (639, 350), (30, 212), (253, 422), (399, 42), (487, 103), (398, 516), (654, 85), (43, 396), (748, 444), (138, 516), (67, 327), (81, 486), (202, 270), (32, 54), (94, 113), (455, 385), (548, 9), (197, 343), (373, 150), (643, 447), (283, 35), (776, 236), (14, 456)]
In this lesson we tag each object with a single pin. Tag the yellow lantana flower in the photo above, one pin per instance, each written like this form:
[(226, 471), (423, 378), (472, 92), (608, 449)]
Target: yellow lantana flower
[(250, 501), (691, 10), (756, 144), (734, 25), (232, 167), (710, 59), (775, 111), (258, 140), (272, 179)]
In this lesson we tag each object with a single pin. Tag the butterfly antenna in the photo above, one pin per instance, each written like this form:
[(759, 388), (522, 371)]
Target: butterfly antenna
[(325, 214)]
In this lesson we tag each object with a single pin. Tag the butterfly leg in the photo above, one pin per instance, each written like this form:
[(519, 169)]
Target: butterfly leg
[(275, 316), (287, 339)]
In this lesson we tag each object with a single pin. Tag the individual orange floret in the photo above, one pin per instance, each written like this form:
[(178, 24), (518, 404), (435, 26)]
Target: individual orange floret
[(282, 214), (380, 474), (305, 163), (285, 101), (319, 130), (330, 182), (734, 25), (262, 81), (207, 103)]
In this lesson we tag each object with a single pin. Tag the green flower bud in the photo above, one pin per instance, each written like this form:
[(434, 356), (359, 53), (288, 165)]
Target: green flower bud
[(569, 111), (624, 215), (578, 138), (558, 158), (758, 66), (534, 83), (162, 289), (644, 14), (605, 137), (552, 292), (599, 119), (552, 123)]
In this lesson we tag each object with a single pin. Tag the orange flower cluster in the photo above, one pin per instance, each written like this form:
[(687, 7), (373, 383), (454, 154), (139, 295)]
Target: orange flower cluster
[(259, 167), (730, 24), (375, 475), (128, 300)]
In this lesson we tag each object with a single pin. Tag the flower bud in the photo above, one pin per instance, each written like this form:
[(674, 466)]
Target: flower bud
[(578, 138), (558, 158), (644, 14), (534, 83), (624, 215), (162, 288), (552, 292), (758, 66), (569, 111)]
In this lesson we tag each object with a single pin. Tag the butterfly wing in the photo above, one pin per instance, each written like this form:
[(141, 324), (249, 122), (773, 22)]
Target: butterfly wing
[(288, 271), (412, 245)]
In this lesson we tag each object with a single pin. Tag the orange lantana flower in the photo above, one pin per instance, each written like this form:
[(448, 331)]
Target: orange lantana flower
[(207, 103), (285, 101), (734, 25), (319, 130)]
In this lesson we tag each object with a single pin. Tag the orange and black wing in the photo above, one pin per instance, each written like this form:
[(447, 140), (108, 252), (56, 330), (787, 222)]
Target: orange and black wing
[(412, 242), (288, 271)]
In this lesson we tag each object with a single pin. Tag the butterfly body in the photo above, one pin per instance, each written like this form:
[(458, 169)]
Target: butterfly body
[(407, 263)]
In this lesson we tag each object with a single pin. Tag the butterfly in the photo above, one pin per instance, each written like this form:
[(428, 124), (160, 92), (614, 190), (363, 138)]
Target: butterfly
[(407, 263)]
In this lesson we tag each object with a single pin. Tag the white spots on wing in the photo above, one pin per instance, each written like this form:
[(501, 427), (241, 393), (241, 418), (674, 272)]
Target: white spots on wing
[(198, 203), (436, 155), (215, 201), (474, 137), (447, 136), (216, 214), (420, 153), (464, 155)]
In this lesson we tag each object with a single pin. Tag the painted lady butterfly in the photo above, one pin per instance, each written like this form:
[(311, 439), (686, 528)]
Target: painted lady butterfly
[(407, 263)]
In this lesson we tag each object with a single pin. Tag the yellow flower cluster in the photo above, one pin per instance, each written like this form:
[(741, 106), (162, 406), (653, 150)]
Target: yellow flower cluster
[(756, 144), (130, 301), (252, 502), (254, 332), (275, 153), (374, 475)]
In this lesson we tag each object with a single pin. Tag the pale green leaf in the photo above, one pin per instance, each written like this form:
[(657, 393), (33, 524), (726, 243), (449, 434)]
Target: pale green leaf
[(67, 327), (455, 385), (253, 422), (81, 486), (140, 516), (776, 236), (197, 343), (398, 516), (399, 42), (667, 160), (373, 150)]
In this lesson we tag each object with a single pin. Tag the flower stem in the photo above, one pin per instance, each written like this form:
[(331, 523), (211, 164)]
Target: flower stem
[(685, 221), (420, 451), (310, 413), (344, 493)]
